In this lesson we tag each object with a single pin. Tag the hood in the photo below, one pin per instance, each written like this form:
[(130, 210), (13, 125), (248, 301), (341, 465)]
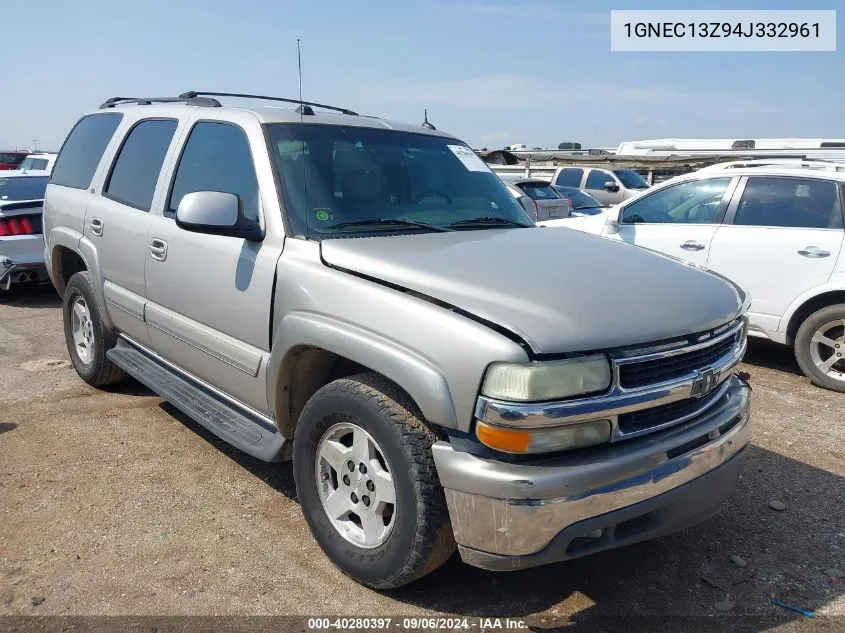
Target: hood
[(558, 290)]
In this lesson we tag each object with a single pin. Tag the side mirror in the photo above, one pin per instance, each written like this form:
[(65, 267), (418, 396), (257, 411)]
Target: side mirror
[(612, 225), (216, 213), (611, 186)]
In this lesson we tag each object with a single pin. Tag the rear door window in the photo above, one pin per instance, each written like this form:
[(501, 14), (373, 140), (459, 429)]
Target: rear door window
[(83, 149), (570, 177), (135, 173), (789, 202)]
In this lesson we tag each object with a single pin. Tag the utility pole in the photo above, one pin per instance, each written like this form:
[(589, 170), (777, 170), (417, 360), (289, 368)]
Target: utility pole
[(34, 144)]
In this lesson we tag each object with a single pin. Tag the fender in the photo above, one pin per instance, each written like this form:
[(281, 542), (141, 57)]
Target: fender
[(88, 252), (59, 236), (837, 283), (407, 368)]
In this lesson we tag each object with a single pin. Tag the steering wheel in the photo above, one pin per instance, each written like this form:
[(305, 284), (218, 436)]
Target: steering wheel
[(430, 193)]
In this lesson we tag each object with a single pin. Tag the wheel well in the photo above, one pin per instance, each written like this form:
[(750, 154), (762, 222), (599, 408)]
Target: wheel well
[(812, 305), (305, 370), (66, 263)]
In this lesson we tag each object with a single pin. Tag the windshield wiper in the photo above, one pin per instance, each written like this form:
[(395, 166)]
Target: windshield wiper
[(388, 221), (489, 221)]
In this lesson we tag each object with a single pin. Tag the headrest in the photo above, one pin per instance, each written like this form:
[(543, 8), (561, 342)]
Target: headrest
[(360, 184)]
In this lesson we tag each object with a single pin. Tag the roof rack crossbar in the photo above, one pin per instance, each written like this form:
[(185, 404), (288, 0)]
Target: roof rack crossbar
[(192, 94), (195, 101)]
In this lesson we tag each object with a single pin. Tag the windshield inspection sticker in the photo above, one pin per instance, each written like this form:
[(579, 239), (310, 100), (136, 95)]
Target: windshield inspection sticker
[(469, 158), (322, 214)]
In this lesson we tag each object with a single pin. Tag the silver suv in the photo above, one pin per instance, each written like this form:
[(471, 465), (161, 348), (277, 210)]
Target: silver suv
[(367, 299)]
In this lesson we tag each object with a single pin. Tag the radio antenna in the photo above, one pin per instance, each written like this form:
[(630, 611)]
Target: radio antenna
[(299, 66), (301, 110)]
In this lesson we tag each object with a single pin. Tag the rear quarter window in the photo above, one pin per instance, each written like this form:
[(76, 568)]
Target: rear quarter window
[(83, 149)]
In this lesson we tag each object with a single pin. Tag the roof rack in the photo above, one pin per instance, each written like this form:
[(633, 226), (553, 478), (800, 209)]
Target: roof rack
[(195, 101), (304, 105), (804, 163)]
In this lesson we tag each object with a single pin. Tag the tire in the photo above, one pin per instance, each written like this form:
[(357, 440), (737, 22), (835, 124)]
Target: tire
[(419, 536), (90, 363), (830, 322)]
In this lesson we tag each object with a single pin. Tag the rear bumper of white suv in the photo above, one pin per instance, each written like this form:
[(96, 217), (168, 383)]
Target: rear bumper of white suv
[(515, 515)]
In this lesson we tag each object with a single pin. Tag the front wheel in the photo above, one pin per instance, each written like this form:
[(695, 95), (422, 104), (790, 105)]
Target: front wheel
[(820, 347), (367, 483)]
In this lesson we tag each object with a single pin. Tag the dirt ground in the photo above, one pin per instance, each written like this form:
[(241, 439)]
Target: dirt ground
[(112, 503)]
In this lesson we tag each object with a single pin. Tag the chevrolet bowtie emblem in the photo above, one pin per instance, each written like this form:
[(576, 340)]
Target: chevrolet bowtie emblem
[(704, 384)]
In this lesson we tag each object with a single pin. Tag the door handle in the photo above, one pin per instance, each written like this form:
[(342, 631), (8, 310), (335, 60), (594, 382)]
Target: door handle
[(96, 225), (813, 252), (158, 249), (692, 245)]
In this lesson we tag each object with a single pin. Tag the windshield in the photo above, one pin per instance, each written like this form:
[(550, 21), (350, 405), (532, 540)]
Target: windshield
[(11, 158), (22, 188), (33, 163), (631, 179), (578, 198), (338, 180), (539, 191)]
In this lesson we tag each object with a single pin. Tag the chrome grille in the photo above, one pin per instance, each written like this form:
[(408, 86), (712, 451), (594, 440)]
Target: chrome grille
[(675, 412), (650, 372)]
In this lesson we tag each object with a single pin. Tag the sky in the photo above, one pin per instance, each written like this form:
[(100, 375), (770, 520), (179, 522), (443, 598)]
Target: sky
[(492, 72)]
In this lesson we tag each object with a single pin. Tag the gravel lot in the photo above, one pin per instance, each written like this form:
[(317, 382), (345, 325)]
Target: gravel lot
[(112, 503)]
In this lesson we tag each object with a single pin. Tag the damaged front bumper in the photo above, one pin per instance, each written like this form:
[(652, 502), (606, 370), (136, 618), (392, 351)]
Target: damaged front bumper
[(511, 515)]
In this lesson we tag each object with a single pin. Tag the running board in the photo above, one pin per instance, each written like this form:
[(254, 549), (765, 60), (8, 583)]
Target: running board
[(227, 421)]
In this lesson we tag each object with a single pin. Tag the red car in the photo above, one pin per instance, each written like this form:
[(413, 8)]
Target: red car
[(11, 160)]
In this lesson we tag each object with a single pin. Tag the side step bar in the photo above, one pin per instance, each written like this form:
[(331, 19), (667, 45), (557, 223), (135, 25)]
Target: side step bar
[(227, 421)]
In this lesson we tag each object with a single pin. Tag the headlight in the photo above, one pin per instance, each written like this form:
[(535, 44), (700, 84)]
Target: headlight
[(543, 440), (527, 382)]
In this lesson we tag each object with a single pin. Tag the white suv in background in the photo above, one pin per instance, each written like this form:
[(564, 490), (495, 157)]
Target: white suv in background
[(776, 230)]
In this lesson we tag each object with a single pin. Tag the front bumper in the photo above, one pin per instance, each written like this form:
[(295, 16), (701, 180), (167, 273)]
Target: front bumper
[(511, 516)]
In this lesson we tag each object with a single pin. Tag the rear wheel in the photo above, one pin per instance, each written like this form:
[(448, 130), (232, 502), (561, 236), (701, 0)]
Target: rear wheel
[(367, 483), (86, 337), (820, 347)]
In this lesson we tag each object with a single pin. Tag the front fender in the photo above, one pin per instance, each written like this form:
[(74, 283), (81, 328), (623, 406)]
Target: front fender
[(411, 371)]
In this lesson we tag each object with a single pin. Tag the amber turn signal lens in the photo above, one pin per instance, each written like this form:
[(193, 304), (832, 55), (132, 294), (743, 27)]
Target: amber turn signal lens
[(506, 440), (548, 440)]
